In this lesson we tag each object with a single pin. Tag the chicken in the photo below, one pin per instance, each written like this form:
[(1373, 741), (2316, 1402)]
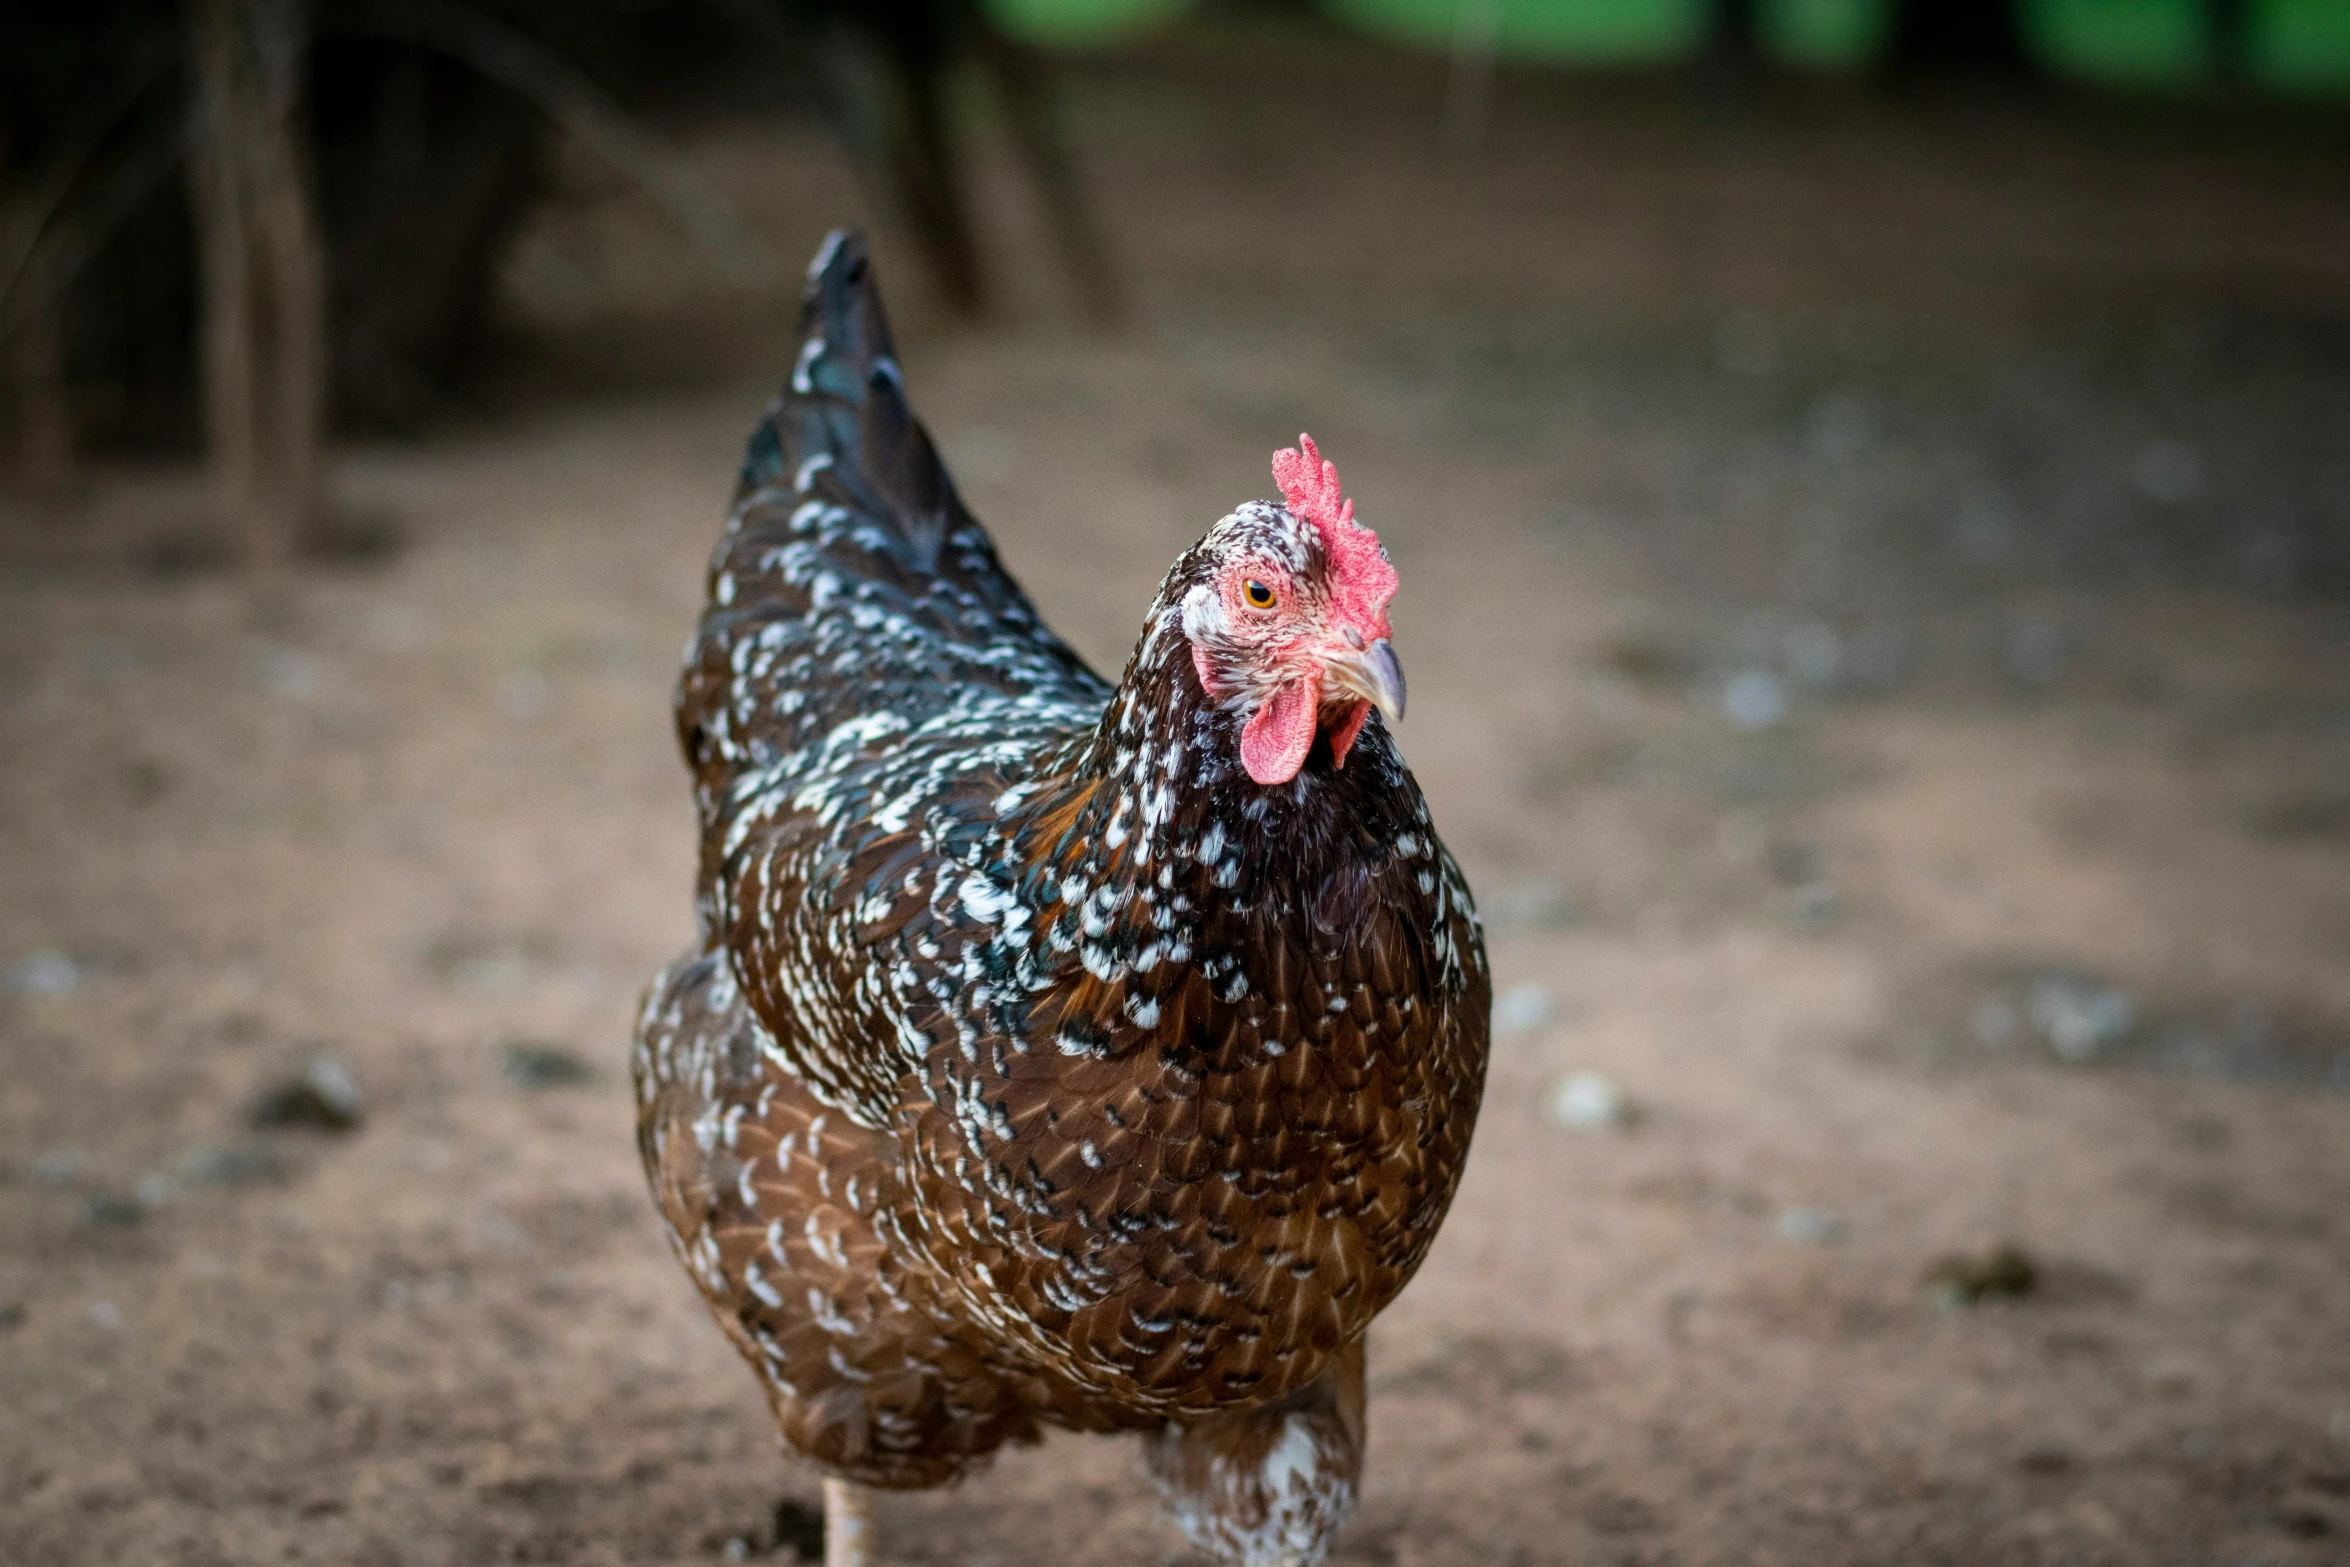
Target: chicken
[(1051, 1053)]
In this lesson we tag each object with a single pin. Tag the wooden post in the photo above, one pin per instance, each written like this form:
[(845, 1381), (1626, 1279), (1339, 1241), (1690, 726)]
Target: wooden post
[(1734, 34), (264, 275), (37, 402), (224, 246), (1959, 38), (1028, 107), (294, 432), (32, 385)]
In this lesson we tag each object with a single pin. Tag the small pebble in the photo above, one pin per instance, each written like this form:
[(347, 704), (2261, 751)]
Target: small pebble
[(533, 1064), (1811, 1226), (111, 1211), (107, 1315), (1589, 1102), (2003, 1273), (47, 973), (323, 1098), (1646, 659), (1755, 699), (1521, 1008), (11, 1316), (2079, 1018)]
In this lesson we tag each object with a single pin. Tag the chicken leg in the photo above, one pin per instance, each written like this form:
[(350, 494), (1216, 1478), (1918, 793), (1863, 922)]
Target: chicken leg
[(1269, 1486), (848, 1524)]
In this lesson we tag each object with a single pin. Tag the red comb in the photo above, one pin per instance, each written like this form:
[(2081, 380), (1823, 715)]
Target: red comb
[(1360, 573)]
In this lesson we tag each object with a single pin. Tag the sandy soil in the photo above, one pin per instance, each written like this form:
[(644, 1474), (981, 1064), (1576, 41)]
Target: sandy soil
[(1874, 599)]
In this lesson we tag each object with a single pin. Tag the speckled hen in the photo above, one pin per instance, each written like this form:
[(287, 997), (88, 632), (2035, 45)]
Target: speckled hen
[(1052, 1053)]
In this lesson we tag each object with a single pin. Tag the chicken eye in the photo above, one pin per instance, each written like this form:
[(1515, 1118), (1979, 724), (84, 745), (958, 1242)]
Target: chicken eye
[(1258, 595)]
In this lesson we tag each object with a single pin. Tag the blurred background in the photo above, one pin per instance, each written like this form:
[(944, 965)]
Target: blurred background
[(1871, 484)]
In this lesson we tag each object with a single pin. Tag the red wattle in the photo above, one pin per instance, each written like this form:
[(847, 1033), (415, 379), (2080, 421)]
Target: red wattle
[(1343, 736), (1274, 743)]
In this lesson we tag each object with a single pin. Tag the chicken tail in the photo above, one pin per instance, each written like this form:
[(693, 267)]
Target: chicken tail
[(850, 579), (844, 411)]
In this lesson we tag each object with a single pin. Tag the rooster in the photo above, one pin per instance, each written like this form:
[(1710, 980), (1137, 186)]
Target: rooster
[(1051, 1053)]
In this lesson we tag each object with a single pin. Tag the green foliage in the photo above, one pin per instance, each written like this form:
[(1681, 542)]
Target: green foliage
[(2134, 42), (1826, 34), (1600, 32), (1067, 24), (2291, 46), (2301, 46)]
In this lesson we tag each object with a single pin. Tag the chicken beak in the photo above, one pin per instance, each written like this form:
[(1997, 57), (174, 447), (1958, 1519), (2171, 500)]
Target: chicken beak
[(1371, 673)]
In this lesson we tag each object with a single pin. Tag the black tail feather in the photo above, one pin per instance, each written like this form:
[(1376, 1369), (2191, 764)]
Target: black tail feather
[(845, 411), (847, 533), (850, 579)]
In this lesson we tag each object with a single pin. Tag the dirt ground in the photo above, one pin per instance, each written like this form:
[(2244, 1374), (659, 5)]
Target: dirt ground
[(1876, 591)]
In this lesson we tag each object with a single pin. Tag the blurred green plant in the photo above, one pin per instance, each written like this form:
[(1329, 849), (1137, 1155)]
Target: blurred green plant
[(1078, 24), (2301, 46), (1826, 34), (2298, 47), (1611, 32), (2143, 42)]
